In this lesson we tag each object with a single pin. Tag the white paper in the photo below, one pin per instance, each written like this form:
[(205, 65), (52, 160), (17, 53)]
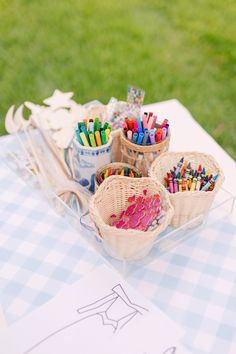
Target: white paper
[(100, 314)]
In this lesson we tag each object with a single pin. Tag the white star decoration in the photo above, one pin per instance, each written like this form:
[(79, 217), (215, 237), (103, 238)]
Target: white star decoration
[(59, 99)]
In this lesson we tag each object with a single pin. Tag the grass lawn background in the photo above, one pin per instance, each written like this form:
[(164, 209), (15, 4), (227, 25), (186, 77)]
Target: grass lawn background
[(173, 49)]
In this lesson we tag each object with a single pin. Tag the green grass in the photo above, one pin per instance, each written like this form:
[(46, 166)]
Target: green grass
[(182, 49)]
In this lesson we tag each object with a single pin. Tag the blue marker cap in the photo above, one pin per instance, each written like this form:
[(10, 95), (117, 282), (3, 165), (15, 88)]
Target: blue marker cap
[(135, 137), (140, 138)]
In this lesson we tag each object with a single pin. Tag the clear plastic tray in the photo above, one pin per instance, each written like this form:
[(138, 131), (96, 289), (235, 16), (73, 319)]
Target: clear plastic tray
[(221, 208)]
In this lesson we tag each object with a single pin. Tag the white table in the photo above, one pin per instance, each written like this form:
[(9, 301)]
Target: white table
[(194, 283)]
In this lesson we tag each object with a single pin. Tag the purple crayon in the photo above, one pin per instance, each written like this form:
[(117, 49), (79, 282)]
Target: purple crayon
[(179, 166), (176, 188)]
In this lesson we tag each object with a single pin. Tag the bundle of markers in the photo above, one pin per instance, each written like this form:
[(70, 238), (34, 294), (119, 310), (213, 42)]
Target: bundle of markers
[(184, 178), (92, 133), (144, 131), (124, 171)]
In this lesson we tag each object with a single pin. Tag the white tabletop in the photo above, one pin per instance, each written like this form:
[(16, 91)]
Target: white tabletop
[(194, 283)]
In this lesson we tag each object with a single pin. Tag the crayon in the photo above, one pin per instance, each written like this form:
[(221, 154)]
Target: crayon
[(179, 165), (179, 181), (176, 188), (209, 183), (194, 182), (188, 169), (184, 184), (122, 172), (170, 183)]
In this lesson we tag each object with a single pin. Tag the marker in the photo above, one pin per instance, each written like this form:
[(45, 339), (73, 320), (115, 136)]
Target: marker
[(84, 139), (98, 138), (164, 132), (154, 122), (159, 135), (203, 172), (144, 120), (150, 122), (129, 135), (91, 125), (92, 140), (103, 136), (140, 138), (138, 120), (145, 138), (96, 124), (152, 136), (135, 137), (107, 131), (179, 165), (77, 133)]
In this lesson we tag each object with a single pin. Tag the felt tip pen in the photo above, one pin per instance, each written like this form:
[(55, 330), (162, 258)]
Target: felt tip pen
[(164, 132), (140, 138), (107, 131), (103, 136), (84, 139), (152, 136), (92, 140), (98, 138), (144, 121), (135, 137), (129, 135), (145, 138)]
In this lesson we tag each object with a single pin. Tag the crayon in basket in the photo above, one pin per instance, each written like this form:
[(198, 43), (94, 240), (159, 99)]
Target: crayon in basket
[(185, 178), (120, 171), (92, 132), (144, 130)]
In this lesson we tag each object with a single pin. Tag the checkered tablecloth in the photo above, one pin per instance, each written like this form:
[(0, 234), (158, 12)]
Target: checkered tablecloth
[(194, 284)]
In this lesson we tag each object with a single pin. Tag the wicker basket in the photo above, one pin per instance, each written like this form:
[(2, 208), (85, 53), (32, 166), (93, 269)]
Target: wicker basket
[(112, 198), (188, 205), (142, 156), (115, 166)]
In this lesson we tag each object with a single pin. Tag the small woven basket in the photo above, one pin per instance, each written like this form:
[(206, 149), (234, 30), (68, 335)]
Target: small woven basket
[(142, 156), (112, 198), (188, 205), (115, 166)]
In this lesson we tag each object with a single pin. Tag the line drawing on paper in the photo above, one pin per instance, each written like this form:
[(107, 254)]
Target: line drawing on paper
[(115, 310)]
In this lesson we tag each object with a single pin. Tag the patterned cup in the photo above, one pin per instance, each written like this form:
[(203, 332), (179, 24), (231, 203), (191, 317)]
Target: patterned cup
[(87, 160)]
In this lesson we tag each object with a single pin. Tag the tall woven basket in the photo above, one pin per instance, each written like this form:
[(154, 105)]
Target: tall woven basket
[(188, 205), (142, 156), (112, 198)]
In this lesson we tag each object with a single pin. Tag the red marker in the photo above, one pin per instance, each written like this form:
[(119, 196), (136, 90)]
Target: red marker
[(158, 135)]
